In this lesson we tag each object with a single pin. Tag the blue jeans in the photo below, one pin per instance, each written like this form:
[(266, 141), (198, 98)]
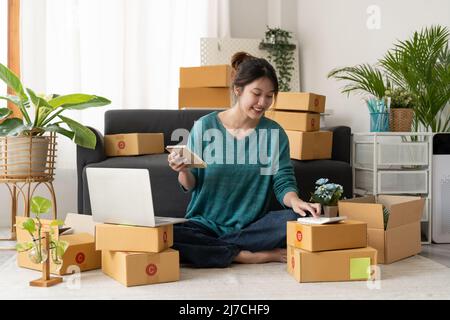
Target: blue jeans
[(202, 248)]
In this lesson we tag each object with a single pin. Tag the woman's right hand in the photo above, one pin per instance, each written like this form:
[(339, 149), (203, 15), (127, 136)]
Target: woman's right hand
[(177, 162)]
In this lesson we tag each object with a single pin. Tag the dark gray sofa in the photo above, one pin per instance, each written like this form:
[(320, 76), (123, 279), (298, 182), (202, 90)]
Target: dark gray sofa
[(168, 198)]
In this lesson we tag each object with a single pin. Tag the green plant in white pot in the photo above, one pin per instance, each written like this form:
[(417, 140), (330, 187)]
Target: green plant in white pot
[(328, 195), (40, 115)]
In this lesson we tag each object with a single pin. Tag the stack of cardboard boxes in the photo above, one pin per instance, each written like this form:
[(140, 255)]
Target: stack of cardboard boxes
[(205, 87), (137, 255), (298, 113), (329, 252)]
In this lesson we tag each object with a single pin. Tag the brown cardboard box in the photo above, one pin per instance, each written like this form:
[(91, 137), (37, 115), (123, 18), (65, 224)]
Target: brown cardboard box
[(310, 145), (205, 76), (204, 97), (343, 235), (133, 144), (134, 269), (80, 254), (339, 265), (401, 238), (300, 101), (299, 121), (114, 237)]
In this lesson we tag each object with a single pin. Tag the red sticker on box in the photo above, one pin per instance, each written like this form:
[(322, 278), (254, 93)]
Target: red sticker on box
[(299, 236), (121, 144), (293, 262), (151, 269), (80, 257), (316, 102), (313, 123), (165, 236)]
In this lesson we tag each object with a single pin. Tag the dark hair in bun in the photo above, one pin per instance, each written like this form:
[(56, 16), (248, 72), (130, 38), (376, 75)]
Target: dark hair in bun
[(247, 68)]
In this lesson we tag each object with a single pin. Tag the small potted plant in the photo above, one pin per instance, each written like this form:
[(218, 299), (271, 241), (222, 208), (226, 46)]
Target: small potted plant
[(328, 195), (402, 109), (37, 251)]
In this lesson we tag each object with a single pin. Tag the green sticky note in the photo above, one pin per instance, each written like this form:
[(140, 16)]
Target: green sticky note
[(359, 268)]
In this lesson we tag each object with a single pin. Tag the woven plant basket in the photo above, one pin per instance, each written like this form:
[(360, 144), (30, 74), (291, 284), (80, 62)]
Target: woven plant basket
[(27, 157), (400, 119)]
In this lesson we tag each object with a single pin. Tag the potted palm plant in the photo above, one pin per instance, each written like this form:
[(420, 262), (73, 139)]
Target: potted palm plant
[(421, 66), (370, 81), (24, 145)]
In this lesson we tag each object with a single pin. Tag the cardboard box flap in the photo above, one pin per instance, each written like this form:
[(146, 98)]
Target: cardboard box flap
[(79, 238), (402, 210), (80, 223), (363, 209)]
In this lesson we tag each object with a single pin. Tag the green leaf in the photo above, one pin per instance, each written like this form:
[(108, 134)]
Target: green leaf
[(10, 126), (37, 101), (57, 223), (76, 98), (13, 99), (21, 247), (58, 129), (94, 102), (29, 225), (78, 101), (4, 113), (83, 135), (12, 81), (40, 205), (61, 247)]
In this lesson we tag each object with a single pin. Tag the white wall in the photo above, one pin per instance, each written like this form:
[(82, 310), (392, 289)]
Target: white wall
[(334, 34)]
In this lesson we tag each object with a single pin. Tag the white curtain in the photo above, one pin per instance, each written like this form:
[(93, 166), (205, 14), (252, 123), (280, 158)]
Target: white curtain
[(129, 51)]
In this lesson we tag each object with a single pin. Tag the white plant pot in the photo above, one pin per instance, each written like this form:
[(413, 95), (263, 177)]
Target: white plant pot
[(24, 158)]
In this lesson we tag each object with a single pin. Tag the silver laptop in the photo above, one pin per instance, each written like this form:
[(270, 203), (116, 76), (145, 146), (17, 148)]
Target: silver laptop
[(123, 196)]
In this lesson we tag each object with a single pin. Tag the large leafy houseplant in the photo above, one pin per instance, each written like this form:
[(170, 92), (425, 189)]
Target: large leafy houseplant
[(47, 113), (281, 53)]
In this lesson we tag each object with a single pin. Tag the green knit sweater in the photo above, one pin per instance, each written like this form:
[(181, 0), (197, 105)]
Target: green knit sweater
[(234, 190)]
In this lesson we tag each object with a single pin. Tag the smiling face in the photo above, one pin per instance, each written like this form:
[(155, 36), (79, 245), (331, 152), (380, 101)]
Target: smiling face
[(256, 97)]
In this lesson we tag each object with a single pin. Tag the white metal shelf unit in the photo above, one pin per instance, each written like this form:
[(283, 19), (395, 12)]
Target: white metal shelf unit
[(386, 163)]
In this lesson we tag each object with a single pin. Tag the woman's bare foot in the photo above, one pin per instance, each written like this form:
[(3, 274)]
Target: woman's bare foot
[(275, 255)]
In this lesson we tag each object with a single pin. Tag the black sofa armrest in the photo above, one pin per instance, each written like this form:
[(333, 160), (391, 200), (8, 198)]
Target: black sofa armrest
[(86, 156), (341, 143)]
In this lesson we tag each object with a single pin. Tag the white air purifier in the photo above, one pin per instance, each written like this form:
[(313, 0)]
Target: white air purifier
[(441, 188)]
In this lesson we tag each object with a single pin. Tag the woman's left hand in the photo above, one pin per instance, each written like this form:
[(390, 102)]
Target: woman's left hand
[(299, 206)]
